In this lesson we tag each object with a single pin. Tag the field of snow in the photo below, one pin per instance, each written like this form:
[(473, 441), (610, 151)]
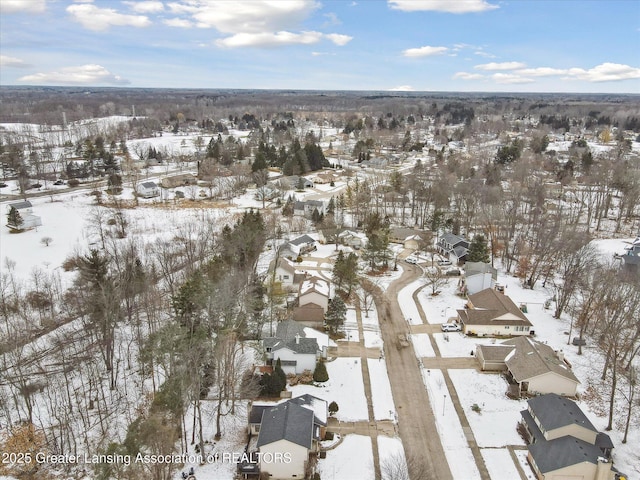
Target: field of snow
[(352, 459), (440, 308), (499, 463), (407, 305), (422, 345)]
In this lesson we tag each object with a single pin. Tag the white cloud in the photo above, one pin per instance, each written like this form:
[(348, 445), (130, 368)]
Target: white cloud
[(500, 66), (146, 6), (449, 6), (267, 39), (100, 19), (12, 62), (258, 16), (338, 38), (482, 53), (332, 20), (541, 71), (425, 51), (29, 6), (468, 76), (510, 78), (605, 72), (82, 75), (402, 88), (178, 22)]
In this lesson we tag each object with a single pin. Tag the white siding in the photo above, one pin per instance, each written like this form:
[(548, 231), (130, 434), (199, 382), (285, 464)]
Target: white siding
[(552, 383)]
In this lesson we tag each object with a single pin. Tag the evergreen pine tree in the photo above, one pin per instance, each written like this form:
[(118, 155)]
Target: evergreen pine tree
[(478, 250), (336, 314), (320, 373)]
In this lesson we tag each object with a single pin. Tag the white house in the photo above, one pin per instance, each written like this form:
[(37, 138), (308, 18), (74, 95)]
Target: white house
[(148, 189), (21, 217), (290, 345), (478, 276)]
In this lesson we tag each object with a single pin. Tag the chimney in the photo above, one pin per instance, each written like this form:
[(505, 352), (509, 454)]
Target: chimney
[(560, 355), (297, 339)]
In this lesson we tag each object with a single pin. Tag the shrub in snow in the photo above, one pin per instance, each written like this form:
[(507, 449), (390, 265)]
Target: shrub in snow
[(320, 374)]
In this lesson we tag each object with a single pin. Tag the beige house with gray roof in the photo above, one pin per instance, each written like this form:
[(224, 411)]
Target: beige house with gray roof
[(534, 367), (491, 314)]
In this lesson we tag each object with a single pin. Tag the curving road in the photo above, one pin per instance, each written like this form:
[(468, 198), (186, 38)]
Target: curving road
[(416, 422)]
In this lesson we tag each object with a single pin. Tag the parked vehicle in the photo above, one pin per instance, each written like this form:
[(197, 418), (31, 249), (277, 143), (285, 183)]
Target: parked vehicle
[(412, 260), (450, 327), (444, 263), (577, 341), (452, 272)]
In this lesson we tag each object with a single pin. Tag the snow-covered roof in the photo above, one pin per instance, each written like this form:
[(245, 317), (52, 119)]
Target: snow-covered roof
[(315, 284)]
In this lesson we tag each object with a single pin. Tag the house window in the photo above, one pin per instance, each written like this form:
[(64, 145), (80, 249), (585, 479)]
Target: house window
[(506, 327), (268, 349), (286, 277)]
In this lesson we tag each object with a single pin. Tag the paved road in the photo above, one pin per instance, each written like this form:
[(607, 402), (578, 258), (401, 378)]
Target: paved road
[(416, 422)]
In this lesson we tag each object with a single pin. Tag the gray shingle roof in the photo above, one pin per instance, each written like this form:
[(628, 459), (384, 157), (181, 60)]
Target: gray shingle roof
[(288, 329), (554, 411), (21, 205), (563, 452), (287, 421), (304, 345), (149, 185), (317, 405), (495, 353), (302, 240), (492, 308), (533, 358), (475, 268)]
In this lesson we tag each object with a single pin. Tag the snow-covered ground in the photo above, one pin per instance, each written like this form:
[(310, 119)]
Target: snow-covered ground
[(345, 386), (383, 405), (352, 459)]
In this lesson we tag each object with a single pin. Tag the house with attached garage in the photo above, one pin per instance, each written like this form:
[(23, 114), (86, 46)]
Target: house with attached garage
[(295, 351), (563, 443), (490, 313), (532, 367)]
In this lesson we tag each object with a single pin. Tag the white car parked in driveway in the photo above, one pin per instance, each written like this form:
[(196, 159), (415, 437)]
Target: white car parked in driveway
[(450, 327), (412, 260)]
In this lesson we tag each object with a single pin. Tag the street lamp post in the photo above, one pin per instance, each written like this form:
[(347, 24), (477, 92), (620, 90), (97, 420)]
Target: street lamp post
[(443, 404)]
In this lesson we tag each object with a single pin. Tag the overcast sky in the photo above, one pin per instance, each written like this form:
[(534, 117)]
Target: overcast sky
[(421, 45)]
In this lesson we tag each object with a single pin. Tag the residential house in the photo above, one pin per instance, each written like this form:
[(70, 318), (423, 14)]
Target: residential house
[(286, 272), (535, 368), (317, 405), (290, 345), (490, 313), (178, 180), (20, 216), (295, 182), (631, 258), (305, 243), (409, 237), (148, 189), (286, 439), (351, 239), (453, 247), (477, 276), (314, 290), (563, 443), (306, 208)]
